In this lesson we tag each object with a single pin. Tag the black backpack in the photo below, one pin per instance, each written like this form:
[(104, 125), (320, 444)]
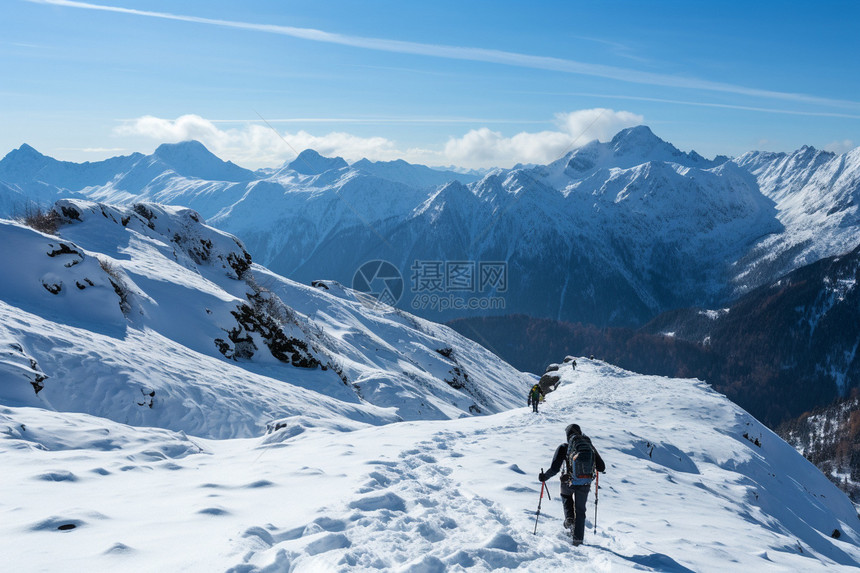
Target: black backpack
[(580, 457)]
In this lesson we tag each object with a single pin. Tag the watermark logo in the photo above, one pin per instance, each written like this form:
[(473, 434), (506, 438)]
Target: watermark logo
[(458, 285), (436, 285), (380, 282), (459, 276)]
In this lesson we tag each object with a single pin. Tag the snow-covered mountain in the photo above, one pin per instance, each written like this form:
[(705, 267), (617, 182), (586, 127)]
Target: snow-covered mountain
[(693, 483), (147, 316), (817, 194), (613, 233), (309, 162), (412, 175)]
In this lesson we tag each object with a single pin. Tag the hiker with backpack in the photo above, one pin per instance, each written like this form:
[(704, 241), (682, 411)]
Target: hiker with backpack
[(582, 462), (535, 396)]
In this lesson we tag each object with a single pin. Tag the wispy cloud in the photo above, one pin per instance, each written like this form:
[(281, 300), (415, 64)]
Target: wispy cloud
[(256, 145), (843, 146), (757, 109), (475, 54)]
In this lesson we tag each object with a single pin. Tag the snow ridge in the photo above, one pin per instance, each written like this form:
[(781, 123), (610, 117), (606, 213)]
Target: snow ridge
[(146, 315)]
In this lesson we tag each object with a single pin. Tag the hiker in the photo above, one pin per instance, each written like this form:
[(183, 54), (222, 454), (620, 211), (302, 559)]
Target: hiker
[(535, 396), (581, 462), (574, 364)]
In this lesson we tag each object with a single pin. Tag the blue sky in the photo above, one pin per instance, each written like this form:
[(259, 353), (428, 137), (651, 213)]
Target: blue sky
[(468, 83)]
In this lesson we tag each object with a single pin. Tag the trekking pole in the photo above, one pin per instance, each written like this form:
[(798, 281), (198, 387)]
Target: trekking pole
[(596, 498), (540, 501)]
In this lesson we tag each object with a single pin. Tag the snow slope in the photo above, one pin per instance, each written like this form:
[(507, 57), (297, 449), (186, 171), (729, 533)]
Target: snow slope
[(687, 488), (147, 316)]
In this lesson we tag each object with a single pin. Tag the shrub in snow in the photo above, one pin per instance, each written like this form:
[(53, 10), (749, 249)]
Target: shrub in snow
[(119, 286), (42, 220), (446, 352), (458, 379), (52, 287), (255, 318), (64, 249)]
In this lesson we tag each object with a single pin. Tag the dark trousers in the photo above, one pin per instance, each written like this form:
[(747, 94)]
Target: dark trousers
[(534, 406), (574, 509)]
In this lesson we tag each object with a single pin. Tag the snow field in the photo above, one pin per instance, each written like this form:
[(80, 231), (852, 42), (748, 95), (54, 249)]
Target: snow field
[(684, 490)]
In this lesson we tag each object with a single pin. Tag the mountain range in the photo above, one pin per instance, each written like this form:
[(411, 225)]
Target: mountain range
[(168, 403), (611, 234)]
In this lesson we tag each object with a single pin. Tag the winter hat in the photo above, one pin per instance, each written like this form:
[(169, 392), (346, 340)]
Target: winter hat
[(572, 429)]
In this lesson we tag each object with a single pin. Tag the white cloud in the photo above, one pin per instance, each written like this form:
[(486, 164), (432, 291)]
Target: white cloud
[(599, 123), (484, 148), (254, 145), (843, 146)]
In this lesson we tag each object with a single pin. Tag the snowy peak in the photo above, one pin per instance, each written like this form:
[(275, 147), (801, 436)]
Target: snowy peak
[(23, 153), (414, 175), (192, 159), (22, 164), (453, 198), (629, 148), (817, 196), (640, 143), (309, 162), (39, 173), (639, 138)]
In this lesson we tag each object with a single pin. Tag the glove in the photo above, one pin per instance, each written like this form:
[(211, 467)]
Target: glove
[(542, 476)]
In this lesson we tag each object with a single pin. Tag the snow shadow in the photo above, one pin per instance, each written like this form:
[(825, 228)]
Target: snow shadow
[(666, 455)]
